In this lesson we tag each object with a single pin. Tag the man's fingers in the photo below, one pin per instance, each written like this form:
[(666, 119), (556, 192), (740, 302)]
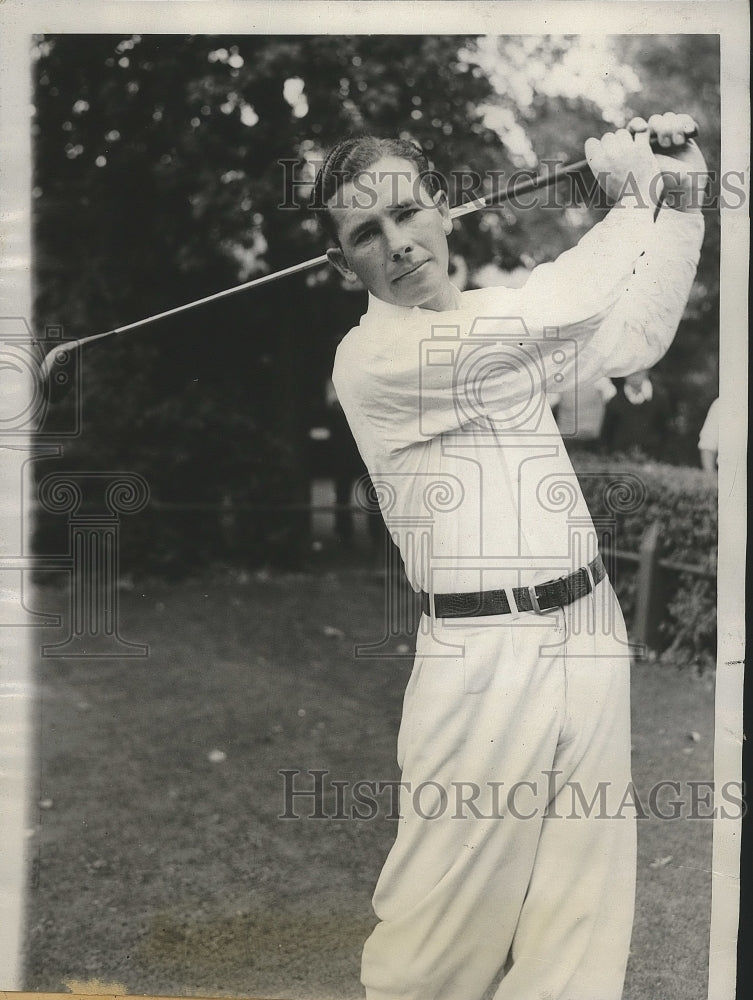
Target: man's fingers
[(614, 147), (592, 149), (616, 142), (643, 153), (661, 127), (671, 129), (637, 125), (668, 122)]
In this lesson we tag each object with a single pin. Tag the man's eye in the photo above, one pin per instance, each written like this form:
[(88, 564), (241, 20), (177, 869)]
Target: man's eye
[(407, 213), (364, 236)]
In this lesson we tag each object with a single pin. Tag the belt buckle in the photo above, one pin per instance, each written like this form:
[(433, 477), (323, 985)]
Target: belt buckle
[(534, 600)]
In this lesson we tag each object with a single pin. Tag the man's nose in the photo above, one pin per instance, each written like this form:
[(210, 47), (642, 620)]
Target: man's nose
[(398, 244), (400, 249)]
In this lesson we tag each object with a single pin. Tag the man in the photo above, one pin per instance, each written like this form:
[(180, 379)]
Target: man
[(516, 714), (708, 441), (580, 412), (638, 417)]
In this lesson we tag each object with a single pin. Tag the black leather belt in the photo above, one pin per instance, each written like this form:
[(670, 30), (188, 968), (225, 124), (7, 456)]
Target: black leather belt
[(542, 597)]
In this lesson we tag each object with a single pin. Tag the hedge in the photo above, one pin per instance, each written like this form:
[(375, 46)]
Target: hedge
[(634, 494)]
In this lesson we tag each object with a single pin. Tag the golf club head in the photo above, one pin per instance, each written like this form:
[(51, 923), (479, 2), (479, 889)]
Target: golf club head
[(55, 358)]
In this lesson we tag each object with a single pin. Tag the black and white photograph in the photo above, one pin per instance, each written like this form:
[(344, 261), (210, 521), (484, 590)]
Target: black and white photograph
[(373, 385)]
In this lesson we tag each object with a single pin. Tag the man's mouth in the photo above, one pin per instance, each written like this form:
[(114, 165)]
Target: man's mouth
[(413, 270)]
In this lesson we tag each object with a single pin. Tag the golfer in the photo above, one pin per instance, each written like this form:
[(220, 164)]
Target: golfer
[(513, 872)]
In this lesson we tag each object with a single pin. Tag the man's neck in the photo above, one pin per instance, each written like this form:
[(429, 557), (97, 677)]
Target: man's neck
[(445, 299)]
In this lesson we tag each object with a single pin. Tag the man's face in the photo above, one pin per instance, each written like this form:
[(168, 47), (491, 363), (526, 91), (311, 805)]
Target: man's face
[(393, 236)]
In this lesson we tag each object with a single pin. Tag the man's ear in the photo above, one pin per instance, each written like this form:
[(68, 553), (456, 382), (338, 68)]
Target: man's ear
[(337, 259), (440, 200)]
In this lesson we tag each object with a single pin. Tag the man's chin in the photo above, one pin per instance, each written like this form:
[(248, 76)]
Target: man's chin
[(422, 294)]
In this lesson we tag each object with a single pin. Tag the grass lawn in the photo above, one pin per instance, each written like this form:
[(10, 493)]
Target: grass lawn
[(160, 863)]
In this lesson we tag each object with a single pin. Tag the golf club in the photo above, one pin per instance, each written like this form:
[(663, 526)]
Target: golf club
[(514, 189)]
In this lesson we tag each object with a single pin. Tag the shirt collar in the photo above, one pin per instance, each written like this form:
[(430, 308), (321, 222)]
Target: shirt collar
[(381, 311)]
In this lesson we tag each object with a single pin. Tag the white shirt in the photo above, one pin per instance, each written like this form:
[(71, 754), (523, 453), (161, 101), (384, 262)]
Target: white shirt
[(709, 436), (449, 408)]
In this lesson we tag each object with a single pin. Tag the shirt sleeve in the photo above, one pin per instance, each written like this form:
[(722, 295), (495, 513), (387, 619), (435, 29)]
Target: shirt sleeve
[(607, 388), (609, 306), (641, 326), (617, 298)]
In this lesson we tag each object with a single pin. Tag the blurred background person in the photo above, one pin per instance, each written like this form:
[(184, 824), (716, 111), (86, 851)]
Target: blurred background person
[(580, 412), (708, 441), (638, 417), (343, 464)]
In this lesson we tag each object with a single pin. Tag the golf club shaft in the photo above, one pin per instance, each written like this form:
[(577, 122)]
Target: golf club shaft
[(517, 187)]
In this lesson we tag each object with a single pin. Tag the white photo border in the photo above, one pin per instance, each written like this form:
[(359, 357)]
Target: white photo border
[(20, 19)]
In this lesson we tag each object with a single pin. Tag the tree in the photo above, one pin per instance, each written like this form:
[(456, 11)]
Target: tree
[(168, 167)]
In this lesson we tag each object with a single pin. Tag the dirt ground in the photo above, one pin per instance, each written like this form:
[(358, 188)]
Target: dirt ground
[(160, 862)]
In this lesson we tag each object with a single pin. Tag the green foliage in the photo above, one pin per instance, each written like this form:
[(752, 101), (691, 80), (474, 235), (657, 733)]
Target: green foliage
[(684, 503)]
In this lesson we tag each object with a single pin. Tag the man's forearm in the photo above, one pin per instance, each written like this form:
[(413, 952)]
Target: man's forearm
[(643, 323)]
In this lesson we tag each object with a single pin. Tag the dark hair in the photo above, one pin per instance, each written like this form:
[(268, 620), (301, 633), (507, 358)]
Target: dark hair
[(354, 155)]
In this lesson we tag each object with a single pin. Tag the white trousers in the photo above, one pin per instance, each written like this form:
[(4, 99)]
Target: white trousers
[(516, 844)]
